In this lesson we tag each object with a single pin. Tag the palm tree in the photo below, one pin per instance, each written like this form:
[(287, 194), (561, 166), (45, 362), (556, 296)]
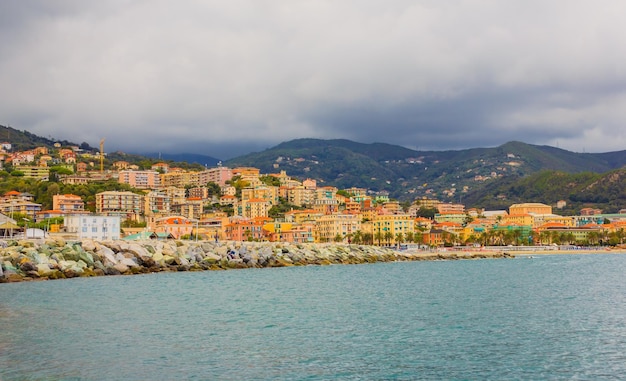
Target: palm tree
[(379, 237), (368, 238), (388, 237), (399, 239)]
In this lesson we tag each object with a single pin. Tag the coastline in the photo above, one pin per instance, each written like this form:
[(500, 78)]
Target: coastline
[(28, 260)]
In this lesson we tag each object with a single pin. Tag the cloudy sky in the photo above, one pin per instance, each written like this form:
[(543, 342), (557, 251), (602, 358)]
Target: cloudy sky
[(223, 78)]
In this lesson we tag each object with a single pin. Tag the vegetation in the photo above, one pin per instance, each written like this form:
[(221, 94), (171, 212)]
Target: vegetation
[(408, 174), (488, 178), (44, 190)]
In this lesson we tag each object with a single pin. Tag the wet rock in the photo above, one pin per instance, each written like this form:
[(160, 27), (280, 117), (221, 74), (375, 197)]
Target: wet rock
[(28, 266)]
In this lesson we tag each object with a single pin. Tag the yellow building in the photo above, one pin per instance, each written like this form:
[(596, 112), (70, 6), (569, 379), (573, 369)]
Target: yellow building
[(267, 193), (256, 207), (329, 227), (302, 216), (388, 227), (300, 195), (564, 220), (530, 207), (523, 219)]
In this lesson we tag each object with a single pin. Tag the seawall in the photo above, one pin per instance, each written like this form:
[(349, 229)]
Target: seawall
[(59, 259)]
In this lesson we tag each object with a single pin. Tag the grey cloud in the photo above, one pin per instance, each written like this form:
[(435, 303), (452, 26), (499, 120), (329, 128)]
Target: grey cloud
[(220, 77)]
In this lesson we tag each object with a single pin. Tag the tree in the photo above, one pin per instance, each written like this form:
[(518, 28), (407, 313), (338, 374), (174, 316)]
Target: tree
[(379, 237), (388, 237), (213, 189), (399, 238), (426, 212), (270, 180), (344, 193), (410, 237)]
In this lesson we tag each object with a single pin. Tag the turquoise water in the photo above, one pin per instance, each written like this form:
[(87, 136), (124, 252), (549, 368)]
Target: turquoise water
[(550, 317)]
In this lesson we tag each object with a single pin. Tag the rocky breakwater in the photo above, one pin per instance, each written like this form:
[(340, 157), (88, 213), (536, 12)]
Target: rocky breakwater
[(58, 259)]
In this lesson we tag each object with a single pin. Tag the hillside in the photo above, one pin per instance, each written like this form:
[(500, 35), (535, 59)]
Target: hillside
[(490, 178), (407, 174), (24, 140)]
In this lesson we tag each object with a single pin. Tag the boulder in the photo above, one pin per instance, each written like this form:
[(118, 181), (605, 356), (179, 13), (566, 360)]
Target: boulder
[(211, 258), (121, 267), (129, 262), (43, 269), (137, 250), (86, 257), (89, 245), (28, 266)]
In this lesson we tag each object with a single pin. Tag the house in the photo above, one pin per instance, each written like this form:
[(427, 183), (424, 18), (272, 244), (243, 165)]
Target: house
[(177, 226), (102, 228)]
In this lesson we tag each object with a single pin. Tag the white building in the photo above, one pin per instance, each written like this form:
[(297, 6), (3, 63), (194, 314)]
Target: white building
[(101, 228)]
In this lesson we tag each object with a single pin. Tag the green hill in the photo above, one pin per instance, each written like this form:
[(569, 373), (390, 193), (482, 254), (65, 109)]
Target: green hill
[(407, 174)]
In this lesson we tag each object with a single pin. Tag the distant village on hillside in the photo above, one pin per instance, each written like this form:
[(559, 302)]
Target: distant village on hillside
[(238, 204)]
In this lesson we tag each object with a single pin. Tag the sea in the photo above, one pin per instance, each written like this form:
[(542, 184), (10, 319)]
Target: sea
[(542, 317)]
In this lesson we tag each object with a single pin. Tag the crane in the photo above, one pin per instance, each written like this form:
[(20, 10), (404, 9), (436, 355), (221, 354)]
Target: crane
[(102, 155)]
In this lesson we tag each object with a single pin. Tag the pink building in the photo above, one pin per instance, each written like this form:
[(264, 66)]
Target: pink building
[(140, 179)]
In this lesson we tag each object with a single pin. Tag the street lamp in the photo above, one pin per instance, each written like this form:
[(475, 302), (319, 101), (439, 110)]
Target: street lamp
[(26, 231)]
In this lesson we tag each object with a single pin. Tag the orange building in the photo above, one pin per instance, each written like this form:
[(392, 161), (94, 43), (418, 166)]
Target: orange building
[(67, 203)]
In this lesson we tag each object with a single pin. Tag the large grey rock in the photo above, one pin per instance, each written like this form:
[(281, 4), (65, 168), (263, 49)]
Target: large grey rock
[(137, 250), (89, 245), (107, 255)]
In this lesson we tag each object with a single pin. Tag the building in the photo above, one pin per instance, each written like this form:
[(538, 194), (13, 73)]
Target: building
[(14, 202), (451, 208), (255, 207), (68, 203), (126, 204), (140, 179), (35, 172), (330, 227), (156, 202), (530, 207), (177, 226), (102, 228), (244, 229), (389, 228), (219, 175)]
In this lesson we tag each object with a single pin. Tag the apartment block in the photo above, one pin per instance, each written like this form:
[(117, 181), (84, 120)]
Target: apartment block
[(126, 204), (140, 179), (156, 202), (330, 226), (68, 203), (94, 227), (256, 207)]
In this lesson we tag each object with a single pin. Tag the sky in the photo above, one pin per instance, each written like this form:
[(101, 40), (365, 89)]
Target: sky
[(225, 78)]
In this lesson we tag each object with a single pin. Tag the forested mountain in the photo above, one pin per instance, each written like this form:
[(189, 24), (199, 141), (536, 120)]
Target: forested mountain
[(491, 178), (406, 174)]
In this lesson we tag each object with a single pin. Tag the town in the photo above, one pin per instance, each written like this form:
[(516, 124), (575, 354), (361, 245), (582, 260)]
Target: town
[(241, 204)]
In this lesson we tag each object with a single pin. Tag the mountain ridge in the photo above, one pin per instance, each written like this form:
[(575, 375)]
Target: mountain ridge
[(481, 177)]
